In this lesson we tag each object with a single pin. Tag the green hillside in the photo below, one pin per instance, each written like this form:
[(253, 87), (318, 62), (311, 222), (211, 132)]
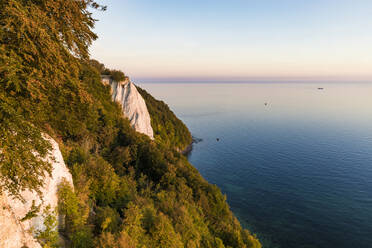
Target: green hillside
[(168, 129), (129, 191)]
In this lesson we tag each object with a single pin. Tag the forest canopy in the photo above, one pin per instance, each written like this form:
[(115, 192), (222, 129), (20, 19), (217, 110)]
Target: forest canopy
[(168, 129), (129, 191), (116, 75), (42, 46)]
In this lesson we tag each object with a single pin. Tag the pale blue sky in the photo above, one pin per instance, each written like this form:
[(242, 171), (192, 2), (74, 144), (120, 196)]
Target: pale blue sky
[(236, 39)]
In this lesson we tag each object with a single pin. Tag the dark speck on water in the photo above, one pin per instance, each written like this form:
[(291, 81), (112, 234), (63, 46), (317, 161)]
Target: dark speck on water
[(300, 176)]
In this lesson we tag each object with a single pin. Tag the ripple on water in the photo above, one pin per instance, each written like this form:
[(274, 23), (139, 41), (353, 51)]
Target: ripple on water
[(298, 171)]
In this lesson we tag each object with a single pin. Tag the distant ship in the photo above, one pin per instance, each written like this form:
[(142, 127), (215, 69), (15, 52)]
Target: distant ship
[(320, 88)]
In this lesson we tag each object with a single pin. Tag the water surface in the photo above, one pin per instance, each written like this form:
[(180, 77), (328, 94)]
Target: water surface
[(294, 161)]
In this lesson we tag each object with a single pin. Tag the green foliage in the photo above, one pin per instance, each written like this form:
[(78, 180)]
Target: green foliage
[(21, 152), (98, 66), (107, 220), (33, 212), (41, 47), (48, 238), (163, 234), (116, 75), (168, 129), (129, 191), (105, 182), (76, 213)]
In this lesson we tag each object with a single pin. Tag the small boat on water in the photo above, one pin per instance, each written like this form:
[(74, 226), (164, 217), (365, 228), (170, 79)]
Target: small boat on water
[(320, 88)]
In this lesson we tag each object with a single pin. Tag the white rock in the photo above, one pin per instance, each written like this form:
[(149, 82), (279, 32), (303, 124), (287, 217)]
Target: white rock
[(133, 104), (15, 233)]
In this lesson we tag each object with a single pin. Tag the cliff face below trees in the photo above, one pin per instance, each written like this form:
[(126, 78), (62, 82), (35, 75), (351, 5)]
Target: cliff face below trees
[(128, 191), (17, 231), (132, 103)]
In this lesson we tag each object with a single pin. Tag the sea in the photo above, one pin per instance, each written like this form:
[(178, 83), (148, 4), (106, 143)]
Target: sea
[(293, 159)]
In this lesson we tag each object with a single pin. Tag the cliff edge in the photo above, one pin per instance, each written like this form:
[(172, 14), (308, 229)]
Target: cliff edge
[(132, 103), (15, 232)]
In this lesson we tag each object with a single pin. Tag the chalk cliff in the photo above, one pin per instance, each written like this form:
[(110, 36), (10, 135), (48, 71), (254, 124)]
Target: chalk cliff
[(15, 233), (132, 103)]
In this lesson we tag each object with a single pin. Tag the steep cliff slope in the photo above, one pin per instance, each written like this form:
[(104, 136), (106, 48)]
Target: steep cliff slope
[(129, 191), (132, 103), (16, 230), (168, 129)]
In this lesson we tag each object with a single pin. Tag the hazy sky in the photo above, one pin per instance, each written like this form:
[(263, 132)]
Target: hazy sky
[(237, 39)]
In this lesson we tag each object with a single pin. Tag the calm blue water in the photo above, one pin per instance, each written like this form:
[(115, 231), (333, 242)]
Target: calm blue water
[(298, 171)]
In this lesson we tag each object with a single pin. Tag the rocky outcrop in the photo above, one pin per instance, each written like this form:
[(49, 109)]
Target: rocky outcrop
[(15, 233), (132, 103)]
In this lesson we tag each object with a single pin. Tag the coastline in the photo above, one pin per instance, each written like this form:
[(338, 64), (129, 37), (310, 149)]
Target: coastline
[(188, 148)]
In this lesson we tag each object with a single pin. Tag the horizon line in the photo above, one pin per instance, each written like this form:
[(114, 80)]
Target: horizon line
[(248, 80)]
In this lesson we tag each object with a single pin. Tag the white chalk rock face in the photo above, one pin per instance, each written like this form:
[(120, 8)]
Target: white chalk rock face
[(132, 103), (15, 233)]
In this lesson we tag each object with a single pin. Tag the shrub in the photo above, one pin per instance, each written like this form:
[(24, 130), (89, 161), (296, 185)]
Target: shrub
[(49, 237)]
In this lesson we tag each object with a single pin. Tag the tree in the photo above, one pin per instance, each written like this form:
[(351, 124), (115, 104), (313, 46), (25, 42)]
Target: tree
[(41, 46), (99, 66), (117, 75)]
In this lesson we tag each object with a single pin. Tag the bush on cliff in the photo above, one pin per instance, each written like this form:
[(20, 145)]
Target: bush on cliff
[(168, 129), (128, 190)]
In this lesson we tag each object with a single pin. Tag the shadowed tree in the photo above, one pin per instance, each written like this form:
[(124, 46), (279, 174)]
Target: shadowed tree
[(41, 45)]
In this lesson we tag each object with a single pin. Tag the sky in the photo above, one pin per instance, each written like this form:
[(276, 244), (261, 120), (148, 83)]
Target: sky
[(205, 40)]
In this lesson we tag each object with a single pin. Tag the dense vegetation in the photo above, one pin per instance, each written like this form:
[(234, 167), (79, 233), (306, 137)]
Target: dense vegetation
[(168, 129), (116, 75), (128, 190), (41, 46)]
